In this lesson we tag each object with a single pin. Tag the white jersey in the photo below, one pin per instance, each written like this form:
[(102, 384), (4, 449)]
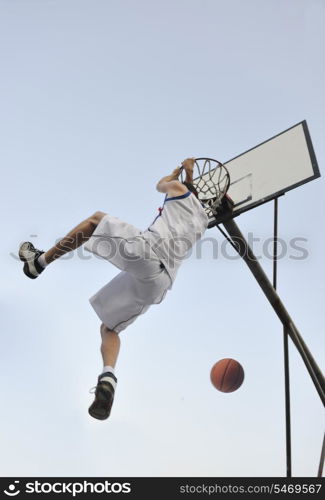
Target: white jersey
[(181, 222)]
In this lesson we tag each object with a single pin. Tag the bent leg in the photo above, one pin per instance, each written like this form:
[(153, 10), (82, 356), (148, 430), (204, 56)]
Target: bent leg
[(75, 238), (105, 389)]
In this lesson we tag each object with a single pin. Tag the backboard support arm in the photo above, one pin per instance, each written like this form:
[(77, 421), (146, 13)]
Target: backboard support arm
[(285, 346), (250, 259)]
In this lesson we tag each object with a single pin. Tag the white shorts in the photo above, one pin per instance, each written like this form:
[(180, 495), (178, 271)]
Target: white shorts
[(142, 282)]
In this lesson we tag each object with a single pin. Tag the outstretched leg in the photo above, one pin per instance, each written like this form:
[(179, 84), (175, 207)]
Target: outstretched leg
[(36, 260), (105, 389), (75, 238)]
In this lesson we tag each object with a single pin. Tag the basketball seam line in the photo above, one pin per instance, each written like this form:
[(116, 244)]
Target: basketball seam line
[(224, 373)]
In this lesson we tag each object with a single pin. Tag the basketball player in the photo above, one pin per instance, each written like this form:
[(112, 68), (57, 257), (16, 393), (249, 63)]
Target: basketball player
[(148, 261)]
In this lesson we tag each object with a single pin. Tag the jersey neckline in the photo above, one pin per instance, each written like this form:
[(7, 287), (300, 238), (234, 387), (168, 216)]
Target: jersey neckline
[(185, 195)]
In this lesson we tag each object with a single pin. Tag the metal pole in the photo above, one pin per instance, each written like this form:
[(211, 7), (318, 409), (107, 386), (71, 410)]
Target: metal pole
[(321, 461), (275, 244), (287, 400), (285, 347), (247, 254)]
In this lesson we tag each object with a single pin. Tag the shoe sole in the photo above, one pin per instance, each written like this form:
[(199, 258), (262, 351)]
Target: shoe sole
[(24, 247), (25, 255), (98, 414)]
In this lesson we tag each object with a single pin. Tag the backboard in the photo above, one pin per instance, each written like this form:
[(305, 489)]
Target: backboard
[(272, 168)]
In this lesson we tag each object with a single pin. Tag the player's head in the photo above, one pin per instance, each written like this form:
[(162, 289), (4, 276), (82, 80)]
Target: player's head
[(191, 188)]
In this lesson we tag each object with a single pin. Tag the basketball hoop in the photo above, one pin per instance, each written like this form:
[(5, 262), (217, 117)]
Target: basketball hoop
[(211, 180)]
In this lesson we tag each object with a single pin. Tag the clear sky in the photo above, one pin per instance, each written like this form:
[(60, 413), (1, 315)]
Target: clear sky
[(99, 99)]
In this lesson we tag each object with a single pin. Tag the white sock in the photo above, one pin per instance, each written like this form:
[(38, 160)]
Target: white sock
[(108, 369), (41, 260), (108, 377)]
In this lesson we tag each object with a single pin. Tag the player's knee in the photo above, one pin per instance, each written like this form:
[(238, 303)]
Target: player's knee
[(104, 329), (96, 218)]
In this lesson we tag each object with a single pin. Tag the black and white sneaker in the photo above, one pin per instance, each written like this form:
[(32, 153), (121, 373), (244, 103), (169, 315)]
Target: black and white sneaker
[(29, 254), (104, 396)]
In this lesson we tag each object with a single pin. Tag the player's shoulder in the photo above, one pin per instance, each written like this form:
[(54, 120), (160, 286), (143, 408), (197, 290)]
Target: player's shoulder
[(176, 188)]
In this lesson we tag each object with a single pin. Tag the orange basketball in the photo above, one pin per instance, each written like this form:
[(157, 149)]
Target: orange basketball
[(227, 375)]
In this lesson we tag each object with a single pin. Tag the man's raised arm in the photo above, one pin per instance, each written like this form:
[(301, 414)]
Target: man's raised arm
[(170, 183)]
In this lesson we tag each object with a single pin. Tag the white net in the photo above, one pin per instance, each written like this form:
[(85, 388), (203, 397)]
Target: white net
[(211, 180)]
